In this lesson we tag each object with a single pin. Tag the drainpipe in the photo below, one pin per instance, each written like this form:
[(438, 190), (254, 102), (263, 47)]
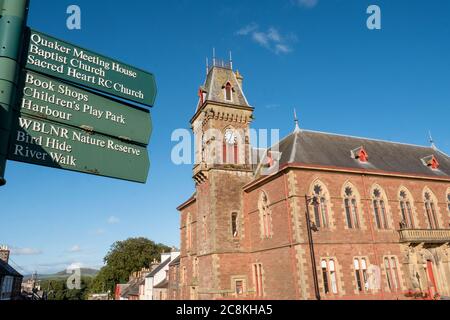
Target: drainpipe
[(311, 248), (13, 16)]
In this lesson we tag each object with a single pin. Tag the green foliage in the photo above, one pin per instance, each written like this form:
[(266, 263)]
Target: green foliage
[(124, 258), (57, 289)]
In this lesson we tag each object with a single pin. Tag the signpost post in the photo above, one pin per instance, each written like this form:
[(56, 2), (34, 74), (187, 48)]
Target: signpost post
[(13, 16)]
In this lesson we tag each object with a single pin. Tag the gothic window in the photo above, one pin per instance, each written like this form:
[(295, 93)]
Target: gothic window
[(205, 234), (430, 209), (360, 266), (392, 279), (379, 209), (234, 225), (320, 206), (265, 216), (406, 210), (329, 276), (258, 278), (351, 208), (228, 92)]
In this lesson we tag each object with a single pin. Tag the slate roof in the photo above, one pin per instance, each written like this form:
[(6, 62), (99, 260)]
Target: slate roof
[(216, 80), (133, 288), (162, 285), (7, 270), (326, 149)]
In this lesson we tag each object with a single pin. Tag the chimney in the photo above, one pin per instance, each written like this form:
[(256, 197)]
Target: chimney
[(4, 253), (239, 78)]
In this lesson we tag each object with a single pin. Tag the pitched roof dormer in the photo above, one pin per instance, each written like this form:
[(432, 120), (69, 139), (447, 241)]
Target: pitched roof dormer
[(431, 161), (360, 154)]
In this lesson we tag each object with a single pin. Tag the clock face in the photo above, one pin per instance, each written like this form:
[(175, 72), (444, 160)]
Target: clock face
[(230, 137)]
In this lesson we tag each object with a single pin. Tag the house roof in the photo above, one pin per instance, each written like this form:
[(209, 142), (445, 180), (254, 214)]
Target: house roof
[(159, 268), (133, 288), (327, 149), (6, 269)]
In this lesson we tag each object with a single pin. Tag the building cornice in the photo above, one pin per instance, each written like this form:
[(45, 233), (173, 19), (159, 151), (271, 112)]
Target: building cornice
[(220, 104), (191, 200)]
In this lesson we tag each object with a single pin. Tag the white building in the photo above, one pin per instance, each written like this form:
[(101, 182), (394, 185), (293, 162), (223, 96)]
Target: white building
[(158, 276)]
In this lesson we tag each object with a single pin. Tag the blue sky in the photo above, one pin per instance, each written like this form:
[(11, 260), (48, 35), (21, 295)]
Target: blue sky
[(316, 56)]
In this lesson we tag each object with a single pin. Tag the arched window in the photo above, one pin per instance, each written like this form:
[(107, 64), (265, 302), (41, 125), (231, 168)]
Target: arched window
[(379, 209), (234, 225), (228, 92), (351, 208), (329, 276), (362, 281), (406, 210), (390, 265), (265, 216), (320, 206), (430, 209)]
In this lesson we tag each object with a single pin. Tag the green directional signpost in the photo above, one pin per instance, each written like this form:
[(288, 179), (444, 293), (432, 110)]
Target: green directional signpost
[(54, 100), (69, 108), (50, 144)]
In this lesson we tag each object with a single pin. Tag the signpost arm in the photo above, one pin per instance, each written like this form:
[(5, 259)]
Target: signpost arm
[(13, 16)]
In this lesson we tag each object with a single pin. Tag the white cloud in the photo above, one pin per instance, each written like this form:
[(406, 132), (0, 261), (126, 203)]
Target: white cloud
[(247, 29), (271, 39), (25, 251), (99, 231), (75, 248), (306, 3), (74, 266), (113, 220)]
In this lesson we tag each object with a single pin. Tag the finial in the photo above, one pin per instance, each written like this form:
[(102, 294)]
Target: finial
[(207, 65), (431, 140), (231, 61), (297, 127), (214, 57)]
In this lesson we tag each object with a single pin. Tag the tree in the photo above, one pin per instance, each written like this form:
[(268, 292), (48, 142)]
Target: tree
[(124, 258)]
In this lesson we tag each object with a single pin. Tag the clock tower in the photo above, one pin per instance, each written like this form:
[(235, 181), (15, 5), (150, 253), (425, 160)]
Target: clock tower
[(222, 167)]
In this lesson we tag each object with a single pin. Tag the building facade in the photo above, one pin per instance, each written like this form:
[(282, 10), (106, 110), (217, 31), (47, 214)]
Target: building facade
[(10, 279), (316, 216)]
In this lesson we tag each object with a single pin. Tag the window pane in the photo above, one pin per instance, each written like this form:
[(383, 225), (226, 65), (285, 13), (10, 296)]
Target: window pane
[(347, 213), (377, 213), (355, 213), (333, 282), (363, 264), (324, 209), (332, 265), (358, 280), (356, 264), (316, 215)]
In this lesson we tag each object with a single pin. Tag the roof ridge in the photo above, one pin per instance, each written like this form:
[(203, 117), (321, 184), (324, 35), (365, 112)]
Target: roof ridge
[(370, 139)]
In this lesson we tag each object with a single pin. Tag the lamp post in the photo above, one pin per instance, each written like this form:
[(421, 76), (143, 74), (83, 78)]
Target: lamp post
[(310, 226)]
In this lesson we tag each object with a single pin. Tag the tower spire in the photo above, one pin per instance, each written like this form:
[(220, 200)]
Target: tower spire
[(431, 140), (297, 127)]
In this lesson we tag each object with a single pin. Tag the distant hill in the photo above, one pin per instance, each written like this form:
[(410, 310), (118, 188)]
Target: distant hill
[(85, 272)]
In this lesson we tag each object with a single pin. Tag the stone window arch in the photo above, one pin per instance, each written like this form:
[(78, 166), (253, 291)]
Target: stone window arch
[(431, 209), (380, 207), (265, 215), (321, 206), (352, 206), (407, 212)]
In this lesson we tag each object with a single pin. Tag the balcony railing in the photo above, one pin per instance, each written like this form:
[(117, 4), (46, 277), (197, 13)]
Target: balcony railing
[(425, 235)]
